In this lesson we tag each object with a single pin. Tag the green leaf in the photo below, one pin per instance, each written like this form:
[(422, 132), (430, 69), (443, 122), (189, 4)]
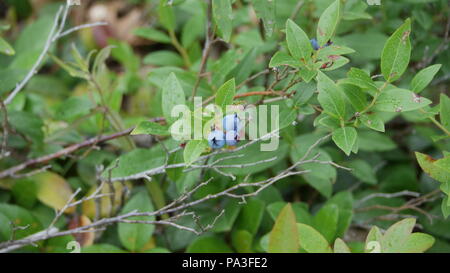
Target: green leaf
[(399, 100), (166, 15), (445, 111), (135, 236), (424, 77), (341, 247), (301, 211), (311, 240), (193, 150), (20, 217), (281, 58), (345, 138), (362, 79), (330, 97), (284, 235), (25, 192), (363, 171), (193, 30), (328, 23), (9, 78), (69, 68), (73, 108), (265, 9), (344, 201), (31, 41), (175, 158), (99, 65), (321, 176), (208, 244), (396, 53), (223, 15), (172, 95), (355, 95), (445, 207), (150, 128), (372, 121), (431, 166), (251, 215), (27, 124), (333, 49), (225, 94), (163, 58), (136, 161), (6, 48), (5, 228), (242, 241), (326, 221), (244, 68), (223, 67), (152, 34), (397, 235), (307, 74), (298, 42), (227, 221), (373, 241), (417, 243), (372, 141)]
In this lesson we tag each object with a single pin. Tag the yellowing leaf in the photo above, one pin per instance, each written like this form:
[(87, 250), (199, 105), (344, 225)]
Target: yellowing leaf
[(89, 207), (284, 235), (53, 190), (340, 246), (435, 168)]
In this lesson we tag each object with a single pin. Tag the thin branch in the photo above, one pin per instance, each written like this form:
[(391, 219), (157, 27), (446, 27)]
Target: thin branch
[(80, 27), (206, 48), (176, 206), (56, 33), (36, 65), (5, 126), (387, 195)]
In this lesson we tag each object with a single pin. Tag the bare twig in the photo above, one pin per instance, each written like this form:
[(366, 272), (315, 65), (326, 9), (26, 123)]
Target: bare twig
[(66, 151), (80, 27), (387, 195), (5, 127), (206, 48), (56, 33), (177, 207)]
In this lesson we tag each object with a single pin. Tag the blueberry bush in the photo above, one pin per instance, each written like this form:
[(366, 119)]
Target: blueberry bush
[(334, 137)]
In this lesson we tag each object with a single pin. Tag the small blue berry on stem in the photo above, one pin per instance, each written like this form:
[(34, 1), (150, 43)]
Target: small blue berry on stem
[(315, 44), (216, 139), (231, 123), (231, 138)]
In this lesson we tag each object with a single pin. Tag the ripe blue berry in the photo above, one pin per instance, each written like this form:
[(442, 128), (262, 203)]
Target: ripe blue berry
[(232, 138), (231, 123), (216, 139), (315, 44)]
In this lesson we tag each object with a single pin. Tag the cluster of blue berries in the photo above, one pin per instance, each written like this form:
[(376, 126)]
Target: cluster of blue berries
[(230, 136)]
